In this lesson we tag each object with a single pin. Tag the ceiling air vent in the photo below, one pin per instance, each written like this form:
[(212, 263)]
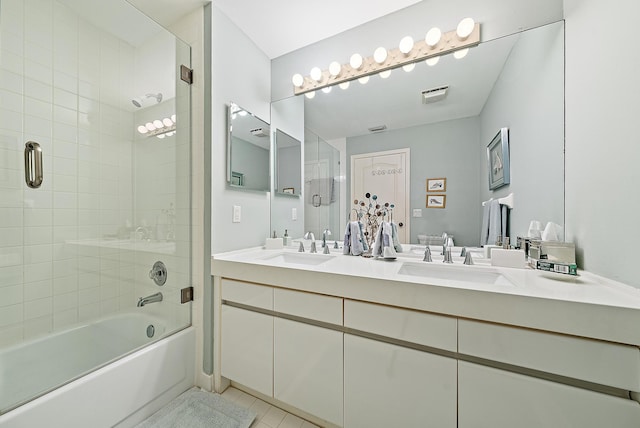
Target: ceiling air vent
[(435, 94), (378, 128), (260, 132)]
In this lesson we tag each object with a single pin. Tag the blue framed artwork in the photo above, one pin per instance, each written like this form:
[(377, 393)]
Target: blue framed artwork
[(498, 160)]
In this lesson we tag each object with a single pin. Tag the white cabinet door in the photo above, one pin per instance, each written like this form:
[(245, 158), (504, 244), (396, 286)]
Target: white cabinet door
[(247, 348), (495, 398), (390, 386), (308, 368)]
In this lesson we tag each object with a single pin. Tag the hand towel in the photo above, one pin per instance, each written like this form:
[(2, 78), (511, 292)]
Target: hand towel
[(383, 246), (354, 243), (484, 229), (495, 222), (365, 246), (394, 235), (346, 245)]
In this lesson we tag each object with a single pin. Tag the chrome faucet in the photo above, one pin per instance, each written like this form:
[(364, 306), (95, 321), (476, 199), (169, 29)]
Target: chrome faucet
[(311, 236), (150, 299), (325, 233)]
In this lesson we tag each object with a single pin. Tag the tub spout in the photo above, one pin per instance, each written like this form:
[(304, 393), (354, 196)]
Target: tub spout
[(150, 299)]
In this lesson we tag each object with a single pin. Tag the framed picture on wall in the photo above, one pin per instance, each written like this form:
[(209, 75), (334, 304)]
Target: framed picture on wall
[(436, 201), (498, 160), (436, 184), (288, 190)]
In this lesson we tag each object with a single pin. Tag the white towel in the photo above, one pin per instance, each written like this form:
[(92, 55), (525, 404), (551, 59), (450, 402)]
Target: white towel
[(394, 235), (354, 244), (383, 246), (495, 222), (484, 229)]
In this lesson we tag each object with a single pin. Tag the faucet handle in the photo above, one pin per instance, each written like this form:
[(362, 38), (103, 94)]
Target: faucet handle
[(301, 247), (463, 253), (447, 256), (427, 255), (313, 247), (326, 250), (468, 260)]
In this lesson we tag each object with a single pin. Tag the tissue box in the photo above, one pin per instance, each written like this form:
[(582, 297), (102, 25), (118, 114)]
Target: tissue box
[(557, 267), (553, 251)]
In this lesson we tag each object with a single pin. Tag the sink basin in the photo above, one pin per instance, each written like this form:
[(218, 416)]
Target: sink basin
[(307, 259), (456, 273)]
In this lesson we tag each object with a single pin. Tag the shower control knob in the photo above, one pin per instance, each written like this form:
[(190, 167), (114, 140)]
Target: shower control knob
[(158, 273)]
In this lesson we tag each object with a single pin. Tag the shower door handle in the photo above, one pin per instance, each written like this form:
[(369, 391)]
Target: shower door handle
[(33, 164)]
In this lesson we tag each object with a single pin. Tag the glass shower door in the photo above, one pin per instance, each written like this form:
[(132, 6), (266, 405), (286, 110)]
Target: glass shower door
[(96, 85)]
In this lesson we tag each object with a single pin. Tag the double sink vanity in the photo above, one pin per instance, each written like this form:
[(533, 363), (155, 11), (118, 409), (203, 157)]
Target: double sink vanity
[(362, 342)]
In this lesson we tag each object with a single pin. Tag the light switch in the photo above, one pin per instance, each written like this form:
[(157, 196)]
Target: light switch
[(417, 212), (294, 214), (237, 213)]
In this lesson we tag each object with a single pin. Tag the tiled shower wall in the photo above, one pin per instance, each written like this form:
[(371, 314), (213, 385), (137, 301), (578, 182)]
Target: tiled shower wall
[(62, 84)]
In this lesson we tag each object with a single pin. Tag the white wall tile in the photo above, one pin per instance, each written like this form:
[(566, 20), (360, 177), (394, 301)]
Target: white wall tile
[(37, 272), (66, 318), (11, 315), (87, 312), (38, 290), (11, 81), (64, 98), (38, 326), (64, 166), (66, 251), (36, 126), (38, 217), (64, 183), (11, 335), (65, 132), (38, 198), (39, 72), (65, 115), (63, 285), (38, 308), (38, 108), (65, 200), (10, 295), (65, 268), (38, 235), (11, 217), (35, 89), (88, 295), (64, 302), (10, 237), (10, 120), (10, 198), (10, 101), (65, 81), (36, 53), (62, 234), (38, 253)]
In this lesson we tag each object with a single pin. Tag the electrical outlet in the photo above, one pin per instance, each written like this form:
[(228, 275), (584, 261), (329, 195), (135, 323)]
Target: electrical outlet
[(294, 214), (417, 212), (237, 214)]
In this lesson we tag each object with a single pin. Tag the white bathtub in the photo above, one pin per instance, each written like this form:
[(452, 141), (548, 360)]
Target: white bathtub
[(124, 391)]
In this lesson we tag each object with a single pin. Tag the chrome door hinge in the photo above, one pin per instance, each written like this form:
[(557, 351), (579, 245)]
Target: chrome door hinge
[(186, 74), (186, 295)]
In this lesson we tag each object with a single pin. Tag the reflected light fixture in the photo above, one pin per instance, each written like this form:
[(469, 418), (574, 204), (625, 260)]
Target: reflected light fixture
[(435, 44), (344, 85), (326, 89), (159, 127), (310, 95), (432, 61), (461, 53)]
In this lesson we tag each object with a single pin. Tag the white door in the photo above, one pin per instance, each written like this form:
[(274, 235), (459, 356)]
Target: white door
[(385, 174)]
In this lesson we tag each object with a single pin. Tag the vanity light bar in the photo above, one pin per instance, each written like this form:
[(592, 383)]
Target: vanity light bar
[(449, 42)]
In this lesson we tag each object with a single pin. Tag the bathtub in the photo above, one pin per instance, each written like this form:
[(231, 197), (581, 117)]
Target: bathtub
[(123, 391)]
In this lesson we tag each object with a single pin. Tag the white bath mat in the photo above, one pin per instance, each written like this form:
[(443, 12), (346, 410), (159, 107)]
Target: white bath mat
[(198, 409)]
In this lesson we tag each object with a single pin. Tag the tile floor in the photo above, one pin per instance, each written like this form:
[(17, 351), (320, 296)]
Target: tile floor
[(268, 416)]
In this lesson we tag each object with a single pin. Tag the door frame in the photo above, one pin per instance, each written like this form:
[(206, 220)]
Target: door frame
[(407, 182)]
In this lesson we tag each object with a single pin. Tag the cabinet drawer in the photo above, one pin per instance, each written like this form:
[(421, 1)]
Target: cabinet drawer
[(312, 306), (249, 294), (595, 361), (417, 327)]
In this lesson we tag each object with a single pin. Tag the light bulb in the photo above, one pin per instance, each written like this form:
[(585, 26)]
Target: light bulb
[(380, 55), (161, 136), (433, 37), (356, 61), (406, 44), (385, 74), (310, 95), (142, 129), (363, 80), (344, 85), (297, 80), (173, 118), (326, 89), (432, 61), (465, 28), (409, 67), (242, 112), (335, 68), (167, 122), (461, 53), (316, 74), (150, 126)]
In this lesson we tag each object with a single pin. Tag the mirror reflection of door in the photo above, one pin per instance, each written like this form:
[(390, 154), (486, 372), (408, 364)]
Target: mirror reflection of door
[(385, 174)]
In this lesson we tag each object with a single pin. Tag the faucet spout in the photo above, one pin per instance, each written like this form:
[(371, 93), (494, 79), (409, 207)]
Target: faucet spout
[(154, 298), (325, 233)]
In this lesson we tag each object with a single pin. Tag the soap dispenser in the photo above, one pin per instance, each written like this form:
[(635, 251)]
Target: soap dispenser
[(286, 238)]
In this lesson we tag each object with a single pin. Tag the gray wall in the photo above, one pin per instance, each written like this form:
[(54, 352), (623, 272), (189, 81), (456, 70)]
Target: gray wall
[(245, 80), (528, 98), (446, 149), (602, 143), (251, 161)]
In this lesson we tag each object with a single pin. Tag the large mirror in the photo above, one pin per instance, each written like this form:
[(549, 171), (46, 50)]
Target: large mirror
[(515, 82), (248, 148), (288, 165)]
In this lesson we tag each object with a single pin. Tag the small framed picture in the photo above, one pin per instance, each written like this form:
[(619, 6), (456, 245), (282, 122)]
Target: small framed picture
[(436, 184), (288, 190), (436, 201)]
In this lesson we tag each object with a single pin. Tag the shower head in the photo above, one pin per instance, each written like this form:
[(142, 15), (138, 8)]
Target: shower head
[(140, 101)]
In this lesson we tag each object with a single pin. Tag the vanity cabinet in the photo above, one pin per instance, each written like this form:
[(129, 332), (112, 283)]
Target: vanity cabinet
[(247, 336), (308, 359), (386, 382), (535, 378)]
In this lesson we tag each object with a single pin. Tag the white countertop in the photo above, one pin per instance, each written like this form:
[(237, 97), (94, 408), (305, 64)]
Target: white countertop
[(587, 305)]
